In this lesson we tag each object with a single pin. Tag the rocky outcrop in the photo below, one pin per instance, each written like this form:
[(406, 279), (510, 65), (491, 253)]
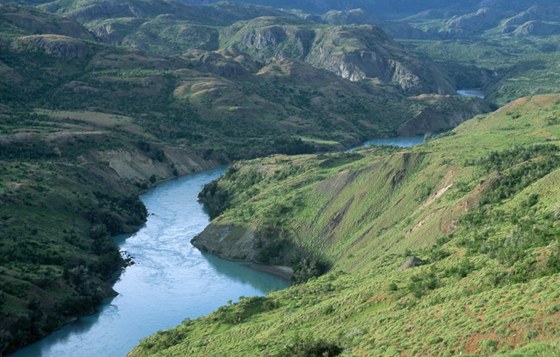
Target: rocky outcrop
[(352, 52), (412, 262), (537, 28), (358, 53), (534, 13), (473, 23), (64, 47), (163, 163), (227, 241)]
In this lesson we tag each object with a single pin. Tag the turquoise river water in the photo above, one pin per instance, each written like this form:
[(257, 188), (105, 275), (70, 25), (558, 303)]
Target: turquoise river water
[(171, 280)]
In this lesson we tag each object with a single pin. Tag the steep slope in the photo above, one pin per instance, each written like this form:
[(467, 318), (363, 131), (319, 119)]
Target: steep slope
[(478, 207), (352, 52)]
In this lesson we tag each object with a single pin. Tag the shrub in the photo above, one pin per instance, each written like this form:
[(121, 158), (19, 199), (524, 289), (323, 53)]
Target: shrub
[(421, 284), (309, 347), (245, 308)]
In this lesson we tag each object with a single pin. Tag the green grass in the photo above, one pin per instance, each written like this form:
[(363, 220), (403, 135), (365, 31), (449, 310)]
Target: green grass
[(490, 282)]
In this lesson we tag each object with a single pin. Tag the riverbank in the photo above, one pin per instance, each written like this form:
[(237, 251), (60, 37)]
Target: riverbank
[(281, 271), (170, 281)]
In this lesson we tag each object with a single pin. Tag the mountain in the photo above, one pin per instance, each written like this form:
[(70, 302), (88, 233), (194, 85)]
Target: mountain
[(493, 19), (101, 100), (450, 247), (352, 52), (395, 9)]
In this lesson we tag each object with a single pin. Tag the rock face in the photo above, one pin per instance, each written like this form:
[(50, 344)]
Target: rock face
[(356, 53), (537, 28), (136, 166), (64, 47), (473, 23), (412, 262), (227, 241)]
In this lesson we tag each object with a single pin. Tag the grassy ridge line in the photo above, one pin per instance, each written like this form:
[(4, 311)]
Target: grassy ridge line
[(490, 282)]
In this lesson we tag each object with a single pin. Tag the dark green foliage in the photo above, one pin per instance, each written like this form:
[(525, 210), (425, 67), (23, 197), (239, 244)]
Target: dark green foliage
[(292, 146), (462, 269), (244, 309), (308, 268), (518, 169), (421, 284), (309, 347), (164, 339), (503, 160), (273, 244), (275, 247), (215, 199)]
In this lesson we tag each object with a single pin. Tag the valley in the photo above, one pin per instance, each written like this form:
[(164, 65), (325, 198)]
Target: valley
[(102, 100), (478, 213)]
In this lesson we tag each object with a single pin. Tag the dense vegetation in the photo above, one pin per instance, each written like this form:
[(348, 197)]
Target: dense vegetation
[(477, 207), (64, 192)]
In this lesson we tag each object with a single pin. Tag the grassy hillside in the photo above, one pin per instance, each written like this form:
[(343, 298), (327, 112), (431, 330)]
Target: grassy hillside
[(478, 208)]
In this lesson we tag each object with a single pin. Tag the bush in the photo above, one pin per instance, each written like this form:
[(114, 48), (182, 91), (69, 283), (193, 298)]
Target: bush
[(309, 347), (309, 268), (245, 308), (423, 283), (215, 199)]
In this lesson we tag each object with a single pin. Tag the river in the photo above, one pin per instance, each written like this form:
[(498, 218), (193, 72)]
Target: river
[(471, 93), (170, 281)]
